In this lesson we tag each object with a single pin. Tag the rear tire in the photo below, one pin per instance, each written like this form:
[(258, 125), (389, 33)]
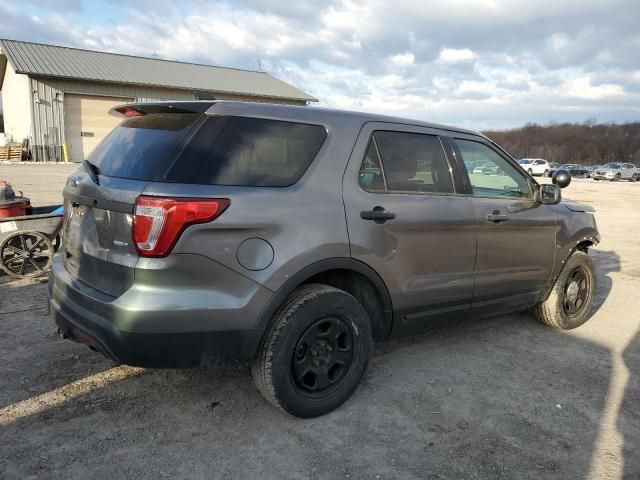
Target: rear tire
[(546, 173), (571, 299), (530, 172), (634, 178), (315, 351)]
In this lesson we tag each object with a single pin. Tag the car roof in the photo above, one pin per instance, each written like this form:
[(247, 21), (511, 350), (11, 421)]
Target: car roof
[(309, 113)]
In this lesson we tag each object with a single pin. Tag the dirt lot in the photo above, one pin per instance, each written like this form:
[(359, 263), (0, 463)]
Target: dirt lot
[(502, 398)]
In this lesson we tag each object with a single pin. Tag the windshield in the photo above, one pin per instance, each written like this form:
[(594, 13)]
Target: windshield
[(525, 161), (612, 165)]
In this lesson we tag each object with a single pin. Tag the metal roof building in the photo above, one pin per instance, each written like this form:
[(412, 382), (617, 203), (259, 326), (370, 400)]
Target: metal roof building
[(54, 95)]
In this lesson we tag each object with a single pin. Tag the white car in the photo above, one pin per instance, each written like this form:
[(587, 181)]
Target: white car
[(535, 166), (617, 171)]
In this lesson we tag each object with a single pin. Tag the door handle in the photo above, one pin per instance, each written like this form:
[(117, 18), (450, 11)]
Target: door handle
[(378, 215), (496, 217)]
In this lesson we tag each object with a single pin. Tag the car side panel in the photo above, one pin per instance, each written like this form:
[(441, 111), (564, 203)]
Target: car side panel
[(294, 226)]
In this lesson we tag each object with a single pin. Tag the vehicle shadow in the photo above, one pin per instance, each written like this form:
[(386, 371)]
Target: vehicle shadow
[(629, 416), (606, 262)]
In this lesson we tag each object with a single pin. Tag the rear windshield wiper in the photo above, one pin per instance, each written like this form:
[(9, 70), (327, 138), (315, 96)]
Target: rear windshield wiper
[(92, 170)]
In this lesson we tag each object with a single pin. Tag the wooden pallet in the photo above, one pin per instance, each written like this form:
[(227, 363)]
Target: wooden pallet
[(11, 153)]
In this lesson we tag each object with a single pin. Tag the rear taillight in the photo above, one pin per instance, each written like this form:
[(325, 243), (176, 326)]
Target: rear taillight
[(158, 222)]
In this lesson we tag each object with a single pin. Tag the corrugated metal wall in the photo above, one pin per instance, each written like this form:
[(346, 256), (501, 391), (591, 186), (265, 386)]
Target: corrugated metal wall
[(48, 134)]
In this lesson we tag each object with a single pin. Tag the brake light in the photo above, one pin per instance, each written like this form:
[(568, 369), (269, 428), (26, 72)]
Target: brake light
[(129, 112), (158, 222)]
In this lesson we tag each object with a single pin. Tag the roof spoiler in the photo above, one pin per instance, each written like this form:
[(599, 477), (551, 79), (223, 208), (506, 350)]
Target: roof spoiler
[(140, 109)]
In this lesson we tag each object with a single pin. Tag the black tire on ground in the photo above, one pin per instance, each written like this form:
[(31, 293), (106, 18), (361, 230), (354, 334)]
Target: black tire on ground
[(314, 352), (546, 173), (571, 299), (617, 177), (634, 177), (530, 172)]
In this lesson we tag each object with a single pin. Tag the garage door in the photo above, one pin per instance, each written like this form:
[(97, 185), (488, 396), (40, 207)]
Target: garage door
[(87, 122)]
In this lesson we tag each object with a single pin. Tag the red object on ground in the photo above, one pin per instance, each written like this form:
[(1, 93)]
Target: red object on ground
[(14, 208)]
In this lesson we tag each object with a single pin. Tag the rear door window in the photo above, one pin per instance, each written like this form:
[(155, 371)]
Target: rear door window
[(261, 153), (403, 162)]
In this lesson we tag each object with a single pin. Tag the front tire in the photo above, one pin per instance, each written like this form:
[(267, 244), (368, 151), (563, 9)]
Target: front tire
[(314, 352), (571, 299)]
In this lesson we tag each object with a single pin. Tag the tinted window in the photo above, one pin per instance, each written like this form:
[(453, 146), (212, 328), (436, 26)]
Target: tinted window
[(371, 177), (143, 148), (264, 153), (411, 162), (501, 180)]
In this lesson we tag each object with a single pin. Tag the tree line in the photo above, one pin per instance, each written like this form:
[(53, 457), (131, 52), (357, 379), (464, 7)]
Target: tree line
[(587, 143)]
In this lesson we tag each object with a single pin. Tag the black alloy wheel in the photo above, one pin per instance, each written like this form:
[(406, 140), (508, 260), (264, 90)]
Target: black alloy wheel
[(576, 292), (26, 254), (323, 356)]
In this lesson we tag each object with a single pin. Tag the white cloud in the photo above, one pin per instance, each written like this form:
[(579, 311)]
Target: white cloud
[(453, 55), (403, 59), (475, 63)]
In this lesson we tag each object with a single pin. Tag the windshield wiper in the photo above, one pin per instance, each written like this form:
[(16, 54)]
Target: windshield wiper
[(92, 170)]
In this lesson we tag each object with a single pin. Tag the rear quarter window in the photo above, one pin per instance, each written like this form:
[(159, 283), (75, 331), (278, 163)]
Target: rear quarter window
[(261, 153)]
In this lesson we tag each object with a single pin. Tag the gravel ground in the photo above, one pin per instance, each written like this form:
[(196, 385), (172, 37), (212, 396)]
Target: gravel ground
[(499, 398)]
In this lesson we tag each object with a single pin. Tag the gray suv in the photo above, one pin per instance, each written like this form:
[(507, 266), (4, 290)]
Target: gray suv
[(293, 238)]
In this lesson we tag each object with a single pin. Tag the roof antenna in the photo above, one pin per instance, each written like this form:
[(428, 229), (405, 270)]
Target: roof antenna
[(258, 60)]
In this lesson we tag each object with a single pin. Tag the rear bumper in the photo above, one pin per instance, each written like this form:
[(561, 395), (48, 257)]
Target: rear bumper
[(162, 350), (134, 329)]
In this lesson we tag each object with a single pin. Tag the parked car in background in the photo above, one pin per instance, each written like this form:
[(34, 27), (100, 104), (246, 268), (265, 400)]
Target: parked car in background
[(575, 170), (553, 166), (593, 168), (616, 171), (536, 166), (293, 238), (487, 168)]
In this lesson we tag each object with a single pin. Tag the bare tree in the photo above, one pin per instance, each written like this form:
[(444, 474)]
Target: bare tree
[(587, 143)]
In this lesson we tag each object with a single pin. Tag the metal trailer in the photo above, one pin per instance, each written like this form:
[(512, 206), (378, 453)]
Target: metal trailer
[(27, 243)]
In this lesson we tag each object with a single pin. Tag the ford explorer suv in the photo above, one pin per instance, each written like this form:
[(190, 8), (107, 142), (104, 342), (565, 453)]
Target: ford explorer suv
[(616, 171), (291, 239)]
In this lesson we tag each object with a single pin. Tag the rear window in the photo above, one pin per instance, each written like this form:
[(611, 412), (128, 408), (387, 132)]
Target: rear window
[(224, 150), (261, 153), (143, 148)]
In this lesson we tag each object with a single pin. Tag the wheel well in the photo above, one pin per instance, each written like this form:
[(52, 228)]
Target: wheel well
[(584, 246), (365, 291)]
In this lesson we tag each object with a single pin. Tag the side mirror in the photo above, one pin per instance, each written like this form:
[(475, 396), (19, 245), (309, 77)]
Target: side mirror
[(561, 178), (549, 194)]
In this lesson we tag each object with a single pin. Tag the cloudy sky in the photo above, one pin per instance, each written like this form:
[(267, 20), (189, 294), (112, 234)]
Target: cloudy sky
[(474, 63)]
